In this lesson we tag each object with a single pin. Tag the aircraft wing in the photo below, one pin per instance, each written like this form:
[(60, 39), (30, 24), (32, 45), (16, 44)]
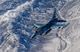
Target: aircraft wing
[(38, 25), (58, 25)]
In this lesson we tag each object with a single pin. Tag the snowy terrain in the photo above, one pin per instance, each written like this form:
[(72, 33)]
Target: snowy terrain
[(16, 26)]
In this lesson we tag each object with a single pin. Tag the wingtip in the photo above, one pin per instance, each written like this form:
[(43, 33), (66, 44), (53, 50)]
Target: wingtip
[(31, 37)]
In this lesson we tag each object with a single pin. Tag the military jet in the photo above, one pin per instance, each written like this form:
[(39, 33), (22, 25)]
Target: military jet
[(43, 29)]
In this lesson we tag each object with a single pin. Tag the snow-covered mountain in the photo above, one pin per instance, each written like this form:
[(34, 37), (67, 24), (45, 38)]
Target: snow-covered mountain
[(16, 26)]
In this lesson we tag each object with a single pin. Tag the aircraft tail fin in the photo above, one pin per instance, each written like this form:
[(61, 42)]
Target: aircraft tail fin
[(54, 16)]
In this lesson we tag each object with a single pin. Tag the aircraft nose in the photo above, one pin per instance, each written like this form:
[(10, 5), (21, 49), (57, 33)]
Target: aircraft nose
[(64, 21)]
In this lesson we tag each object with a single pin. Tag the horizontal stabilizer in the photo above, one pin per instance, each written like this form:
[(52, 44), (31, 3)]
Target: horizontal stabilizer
[(38, 25)]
